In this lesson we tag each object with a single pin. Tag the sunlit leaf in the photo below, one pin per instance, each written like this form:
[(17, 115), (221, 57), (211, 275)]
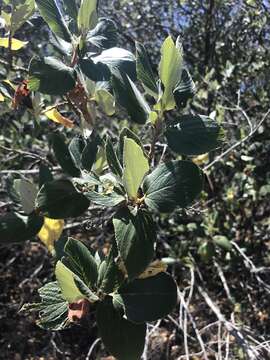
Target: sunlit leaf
[(22, 11), (51, 232), (135, 167), (15, 43), (65, 279), (54, 115), (170, 70), (87, 16)]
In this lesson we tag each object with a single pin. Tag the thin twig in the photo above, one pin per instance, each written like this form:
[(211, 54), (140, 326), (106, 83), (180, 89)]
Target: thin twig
[(238, 143), (92, 348)]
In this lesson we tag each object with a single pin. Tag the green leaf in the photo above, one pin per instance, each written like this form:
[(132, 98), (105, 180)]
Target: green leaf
[(51, 76), (144, 70), (172, 184), (223, 242), (63, 156), (65, 279), (110, 277), (87, 16), (206, 251), (105, 101), (184, 90), (125, 132), (45, 174), (22, 11), (89, 154), (123, 339), (27, 193), (71, 9), (129, 97), (109, 200), (101, 161), (104, 35), (83, 261), (170, 70), (85, 290), (16, 228), (111, 61), (59, 199), (135, 167), (135, 237), (52, 15), (53, 308), (112, 159), (194, 135), (149, 299), (76, 148), (118, 60)]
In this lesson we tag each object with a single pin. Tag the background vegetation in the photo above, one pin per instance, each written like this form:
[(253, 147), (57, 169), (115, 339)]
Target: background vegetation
[(218, 250)]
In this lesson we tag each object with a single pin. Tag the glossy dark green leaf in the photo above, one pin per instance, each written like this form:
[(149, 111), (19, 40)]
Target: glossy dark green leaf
[(59, 199), (83, 261), (184, 90), (135, 237), (52, 15), (63, 47), (112, 159), (111, 61), (110, 278), (149, 299), (76, 147), (53, 308), (194, 135), (172, 184), (15, 228), (144, 70), (98, 72), (45, 174), (51, 76), (71, 8), (122, 338), (90, 151), (63, 156), (104, 35), (118, 59), (130, 98)]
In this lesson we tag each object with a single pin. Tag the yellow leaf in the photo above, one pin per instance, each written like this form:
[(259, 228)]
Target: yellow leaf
[(2, 98), (54, 115), (51, 232), (15, 43), (201, 159), (10, 84), (153, 269)]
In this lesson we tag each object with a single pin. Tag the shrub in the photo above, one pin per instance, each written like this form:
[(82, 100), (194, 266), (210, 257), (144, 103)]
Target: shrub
[(127, 287)]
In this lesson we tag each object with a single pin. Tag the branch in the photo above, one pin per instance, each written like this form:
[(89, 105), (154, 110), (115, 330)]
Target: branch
[(240, 142)]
